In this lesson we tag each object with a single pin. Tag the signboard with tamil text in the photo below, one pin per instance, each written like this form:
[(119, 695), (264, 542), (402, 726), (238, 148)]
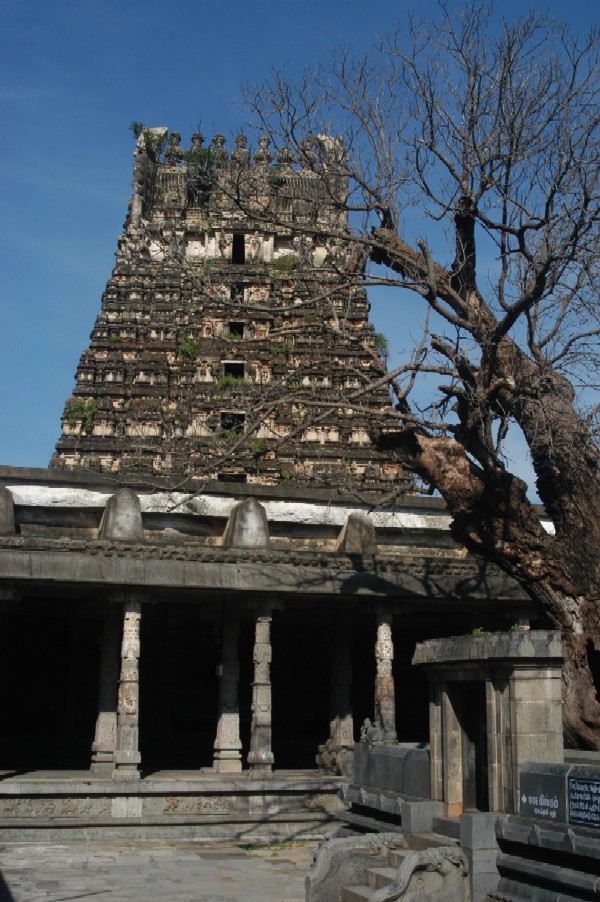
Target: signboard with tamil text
[(584, 802), (542, 795)]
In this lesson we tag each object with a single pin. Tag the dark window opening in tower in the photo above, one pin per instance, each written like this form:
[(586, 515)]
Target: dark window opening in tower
[(238, 251), (233, 421), (236, 330), (233, 368), (237, 291)]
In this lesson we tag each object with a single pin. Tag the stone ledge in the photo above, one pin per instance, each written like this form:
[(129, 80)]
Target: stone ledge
[(110, 482), (516, 646), (202, 786)]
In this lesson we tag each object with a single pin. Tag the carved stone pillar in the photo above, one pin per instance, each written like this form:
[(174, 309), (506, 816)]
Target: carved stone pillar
[(385, 699), (127, 754), (260, 757), (228, 756), (105, 738), (336, 754)]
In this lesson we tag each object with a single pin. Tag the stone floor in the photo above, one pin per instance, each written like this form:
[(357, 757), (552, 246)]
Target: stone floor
[(140, 871)]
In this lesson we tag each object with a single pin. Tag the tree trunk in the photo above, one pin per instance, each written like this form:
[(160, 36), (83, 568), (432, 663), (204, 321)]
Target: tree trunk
[(491, 513)]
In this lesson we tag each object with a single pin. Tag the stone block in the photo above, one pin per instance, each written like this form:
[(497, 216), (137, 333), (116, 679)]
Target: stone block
[(126, 806), (537, 689), (417, 817), (7, 512), (358, 536), (537, 717), (400, 768), (478, 830), (122, 518), (548, 747), (483, 884), (247, 526)]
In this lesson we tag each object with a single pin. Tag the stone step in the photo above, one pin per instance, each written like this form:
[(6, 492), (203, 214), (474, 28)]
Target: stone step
[(447, 826), (368, 824), (356, 894), (379, 877), (422, 841)]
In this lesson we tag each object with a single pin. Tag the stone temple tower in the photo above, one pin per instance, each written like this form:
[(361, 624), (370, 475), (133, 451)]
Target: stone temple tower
[(233, 341)]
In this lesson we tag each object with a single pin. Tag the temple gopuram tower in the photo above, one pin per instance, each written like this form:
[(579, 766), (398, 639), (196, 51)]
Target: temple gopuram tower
[(233, 341)]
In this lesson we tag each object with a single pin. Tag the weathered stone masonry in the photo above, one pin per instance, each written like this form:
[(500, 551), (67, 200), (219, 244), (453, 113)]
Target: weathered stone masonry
[(229, 319)]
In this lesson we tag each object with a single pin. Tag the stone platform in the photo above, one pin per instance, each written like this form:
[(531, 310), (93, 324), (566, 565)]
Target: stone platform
[(154, 871), (64, 806)]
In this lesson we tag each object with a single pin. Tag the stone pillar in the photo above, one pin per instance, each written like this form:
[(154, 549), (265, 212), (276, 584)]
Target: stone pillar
[(436, 739), (127, 754), (336, 754), (452, 755), (105, 738), (228, 756), (260, 757), (385, 699)]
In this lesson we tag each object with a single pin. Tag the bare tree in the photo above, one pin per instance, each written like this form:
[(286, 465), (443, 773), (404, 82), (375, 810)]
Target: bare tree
[(486, 135)]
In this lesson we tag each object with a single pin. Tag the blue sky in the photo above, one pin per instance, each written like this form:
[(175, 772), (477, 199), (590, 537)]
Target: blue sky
[(74, 75)]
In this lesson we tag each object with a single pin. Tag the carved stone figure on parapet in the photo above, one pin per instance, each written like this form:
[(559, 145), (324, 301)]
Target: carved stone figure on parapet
[(174, 153), (224, 243), (255, 247), (263, 155), (218, 147), (285, 158), (372, 732), (333, 758), (336, 253), (303, 248), (241, 154), (132, 245)]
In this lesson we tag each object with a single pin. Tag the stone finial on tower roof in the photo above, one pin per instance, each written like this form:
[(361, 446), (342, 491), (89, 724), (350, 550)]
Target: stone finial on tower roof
[(241, 154), (285, 157), (219, 146), (263, 155), (174, 153)]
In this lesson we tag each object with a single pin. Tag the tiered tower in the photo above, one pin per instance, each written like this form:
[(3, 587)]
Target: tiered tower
[(233, 341)]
